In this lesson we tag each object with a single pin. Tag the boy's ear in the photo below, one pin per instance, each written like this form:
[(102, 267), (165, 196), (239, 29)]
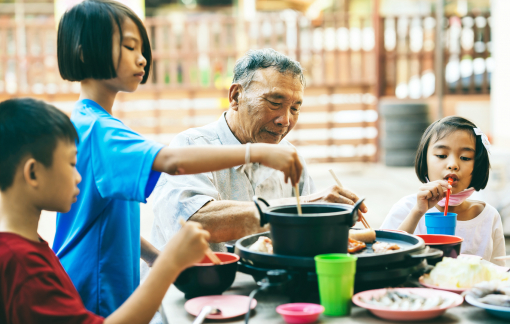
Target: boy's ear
[(233, 95), (30, 172)]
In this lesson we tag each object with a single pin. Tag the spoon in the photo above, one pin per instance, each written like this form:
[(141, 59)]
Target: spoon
[(206, 310)]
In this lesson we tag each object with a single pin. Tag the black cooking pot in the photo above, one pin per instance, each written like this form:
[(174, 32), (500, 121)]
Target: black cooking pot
[(323, 228)]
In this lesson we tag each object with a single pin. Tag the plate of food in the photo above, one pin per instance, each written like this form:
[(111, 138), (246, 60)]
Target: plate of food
[(360, 240), (407, 304), (458, 275), (429, 283), (493, 296), (373, 248)]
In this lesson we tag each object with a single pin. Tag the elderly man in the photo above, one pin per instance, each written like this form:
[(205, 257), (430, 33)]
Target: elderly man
[(265, 101)]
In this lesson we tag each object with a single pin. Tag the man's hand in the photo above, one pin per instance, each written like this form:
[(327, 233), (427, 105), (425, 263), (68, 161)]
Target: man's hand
[(335, 194)]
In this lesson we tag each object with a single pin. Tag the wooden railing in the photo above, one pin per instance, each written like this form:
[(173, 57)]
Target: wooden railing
[(408, 56), (192, 70), (200, 52)]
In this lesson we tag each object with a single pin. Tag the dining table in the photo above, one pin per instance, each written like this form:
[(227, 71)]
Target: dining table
[(267, 301)]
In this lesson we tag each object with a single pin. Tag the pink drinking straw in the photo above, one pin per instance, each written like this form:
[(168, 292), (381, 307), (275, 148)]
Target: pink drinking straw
[(450, 181)]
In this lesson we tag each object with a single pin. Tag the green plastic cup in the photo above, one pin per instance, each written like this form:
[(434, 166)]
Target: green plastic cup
[(335, 273)]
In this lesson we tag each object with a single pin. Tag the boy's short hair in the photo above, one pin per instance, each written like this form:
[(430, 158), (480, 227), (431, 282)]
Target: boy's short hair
[(30, 127), (443, 127), (85, 40)]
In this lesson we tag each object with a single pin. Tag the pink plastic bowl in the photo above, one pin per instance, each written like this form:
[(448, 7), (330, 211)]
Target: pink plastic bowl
[(300, 313)]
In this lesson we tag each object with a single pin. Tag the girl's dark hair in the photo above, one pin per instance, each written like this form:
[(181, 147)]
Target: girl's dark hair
[(30, 127), (443, 127), (85, 36)]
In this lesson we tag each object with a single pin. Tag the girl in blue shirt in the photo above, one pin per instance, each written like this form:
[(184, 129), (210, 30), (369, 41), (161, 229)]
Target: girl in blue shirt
[(104, 45)]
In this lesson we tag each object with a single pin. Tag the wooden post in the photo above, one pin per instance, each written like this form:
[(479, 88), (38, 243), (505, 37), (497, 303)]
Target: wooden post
[(21, 49), (378, 86), (241, 39), (376, 22), (439, 59)]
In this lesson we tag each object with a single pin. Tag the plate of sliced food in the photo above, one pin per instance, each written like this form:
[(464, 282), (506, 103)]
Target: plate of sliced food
[(407, 304), (364, 240), (358, 240), (493, 296), (461, 274)]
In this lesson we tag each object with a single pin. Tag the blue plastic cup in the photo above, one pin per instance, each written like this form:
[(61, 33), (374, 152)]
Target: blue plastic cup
[(438, 223)]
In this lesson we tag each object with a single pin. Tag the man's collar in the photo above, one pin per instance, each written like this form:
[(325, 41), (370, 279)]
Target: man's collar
[(225, 134)]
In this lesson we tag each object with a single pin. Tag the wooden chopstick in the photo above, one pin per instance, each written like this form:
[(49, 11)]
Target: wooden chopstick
[(299, 210), (210, 254), (364, 222), (505, 257), (362, 219)]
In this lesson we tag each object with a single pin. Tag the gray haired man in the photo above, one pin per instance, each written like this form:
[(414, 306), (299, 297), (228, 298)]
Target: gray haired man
[(265, 100)]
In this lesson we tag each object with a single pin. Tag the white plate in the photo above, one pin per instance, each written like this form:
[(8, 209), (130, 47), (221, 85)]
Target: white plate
[(499, 311)]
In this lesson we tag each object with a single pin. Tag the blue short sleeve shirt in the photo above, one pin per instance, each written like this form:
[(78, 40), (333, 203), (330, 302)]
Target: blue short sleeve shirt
[(98, 240)]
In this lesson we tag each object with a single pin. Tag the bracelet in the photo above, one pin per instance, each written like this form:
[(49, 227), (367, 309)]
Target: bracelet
[(247, 155)]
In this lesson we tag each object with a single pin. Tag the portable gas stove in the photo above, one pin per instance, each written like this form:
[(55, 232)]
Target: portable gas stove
[(372, 270)]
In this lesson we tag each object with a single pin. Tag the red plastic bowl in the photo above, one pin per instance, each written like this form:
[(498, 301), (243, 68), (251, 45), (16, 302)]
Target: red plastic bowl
[(438, 239), (300, 313), (224, 257), (205, 278), (449, 244)]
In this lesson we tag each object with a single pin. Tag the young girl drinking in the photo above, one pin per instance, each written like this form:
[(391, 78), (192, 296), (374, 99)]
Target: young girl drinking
[(453, 147), (104, 45)]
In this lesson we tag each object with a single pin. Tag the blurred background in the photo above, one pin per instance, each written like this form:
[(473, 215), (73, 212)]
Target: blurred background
[(377, 72)]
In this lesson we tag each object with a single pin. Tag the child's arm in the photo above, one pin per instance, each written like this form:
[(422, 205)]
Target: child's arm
[(498, 242), (428, 196), (187, 247), (199, 159)]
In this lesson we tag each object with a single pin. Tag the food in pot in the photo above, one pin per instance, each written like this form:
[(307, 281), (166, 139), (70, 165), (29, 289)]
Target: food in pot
[(263, 244), (355, 246), (398, 300), (493, 292), (383, 247), (464, 273), (364, 235)]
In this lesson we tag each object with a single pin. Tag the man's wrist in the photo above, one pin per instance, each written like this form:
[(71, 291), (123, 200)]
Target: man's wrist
[(154, 257), (150, 256)]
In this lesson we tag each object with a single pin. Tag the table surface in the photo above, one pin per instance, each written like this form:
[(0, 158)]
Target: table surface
[(173, 306)]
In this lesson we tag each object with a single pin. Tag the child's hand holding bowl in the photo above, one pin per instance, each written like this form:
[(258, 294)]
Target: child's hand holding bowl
[(188, 246)]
